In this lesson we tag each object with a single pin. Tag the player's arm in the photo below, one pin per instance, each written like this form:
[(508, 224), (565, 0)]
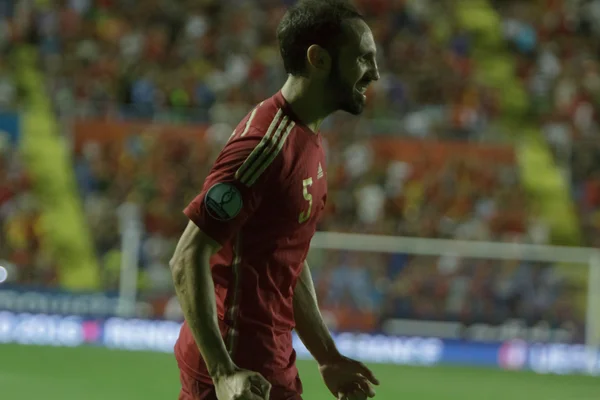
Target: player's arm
[(309, 322), (196, 292), (345, 378), (231, 194)]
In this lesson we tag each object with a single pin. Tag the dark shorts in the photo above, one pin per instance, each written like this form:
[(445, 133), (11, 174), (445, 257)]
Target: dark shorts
[(191, 389)]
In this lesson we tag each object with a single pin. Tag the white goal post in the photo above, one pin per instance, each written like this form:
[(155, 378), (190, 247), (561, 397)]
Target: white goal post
[(485, 250)]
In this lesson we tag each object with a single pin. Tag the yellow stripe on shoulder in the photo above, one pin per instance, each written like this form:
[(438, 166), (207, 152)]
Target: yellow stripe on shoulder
[(257, 151), (249, 122), (272, 155), (265, 151)]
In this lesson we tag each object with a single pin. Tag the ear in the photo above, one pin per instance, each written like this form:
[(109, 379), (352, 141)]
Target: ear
[(318, 58)]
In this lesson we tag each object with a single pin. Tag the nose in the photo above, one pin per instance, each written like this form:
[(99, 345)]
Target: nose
[(374, 72)]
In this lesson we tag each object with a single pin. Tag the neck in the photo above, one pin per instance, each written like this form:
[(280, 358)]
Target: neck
[(308, 101)]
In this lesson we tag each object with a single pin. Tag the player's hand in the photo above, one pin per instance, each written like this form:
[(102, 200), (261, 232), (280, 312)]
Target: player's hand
[(242, 385), (348, 379)]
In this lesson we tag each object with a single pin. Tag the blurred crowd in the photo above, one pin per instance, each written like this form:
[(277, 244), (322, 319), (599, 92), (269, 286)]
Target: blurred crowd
[(22, 250), (361, 291), (557, 45), (211, 60), (206, 62), (465, 196), (9, 99)]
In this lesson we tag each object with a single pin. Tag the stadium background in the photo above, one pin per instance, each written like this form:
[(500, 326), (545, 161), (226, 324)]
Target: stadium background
[(484, 127)]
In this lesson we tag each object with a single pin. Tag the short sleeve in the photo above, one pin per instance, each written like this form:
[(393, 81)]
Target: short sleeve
[(235, 187)]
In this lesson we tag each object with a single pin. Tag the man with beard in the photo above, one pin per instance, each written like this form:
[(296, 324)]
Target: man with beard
[(239, 268)]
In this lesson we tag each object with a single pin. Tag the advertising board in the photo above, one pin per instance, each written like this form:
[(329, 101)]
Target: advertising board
[(160, 336)]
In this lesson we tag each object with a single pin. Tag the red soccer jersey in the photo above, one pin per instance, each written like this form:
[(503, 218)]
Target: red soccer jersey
[(261, 201)]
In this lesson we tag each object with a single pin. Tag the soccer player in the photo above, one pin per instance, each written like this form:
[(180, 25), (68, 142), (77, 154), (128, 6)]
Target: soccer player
[(239, 268)]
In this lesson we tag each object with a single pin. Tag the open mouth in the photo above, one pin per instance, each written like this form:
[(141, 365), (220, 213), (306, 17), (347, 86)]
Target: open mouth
[(362, 87)]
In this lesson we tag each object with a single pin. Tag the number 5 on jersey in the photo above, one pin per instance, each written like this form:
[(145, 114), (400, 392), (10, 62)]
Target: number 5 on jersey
[(305, 215)]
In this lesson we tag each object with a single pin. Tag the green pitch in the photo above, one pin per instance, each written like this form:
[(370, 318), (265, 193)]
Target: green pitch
[(32, 373)]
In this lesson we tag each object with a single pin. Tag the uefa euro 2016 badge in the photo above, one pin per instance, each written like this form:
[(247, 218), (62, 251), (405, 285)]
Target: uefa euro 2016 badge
[(223, 201)]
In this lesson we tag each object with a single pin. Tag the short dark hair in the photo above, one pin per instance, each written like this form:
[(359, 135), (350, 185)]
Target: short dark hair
[(311, 22)]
